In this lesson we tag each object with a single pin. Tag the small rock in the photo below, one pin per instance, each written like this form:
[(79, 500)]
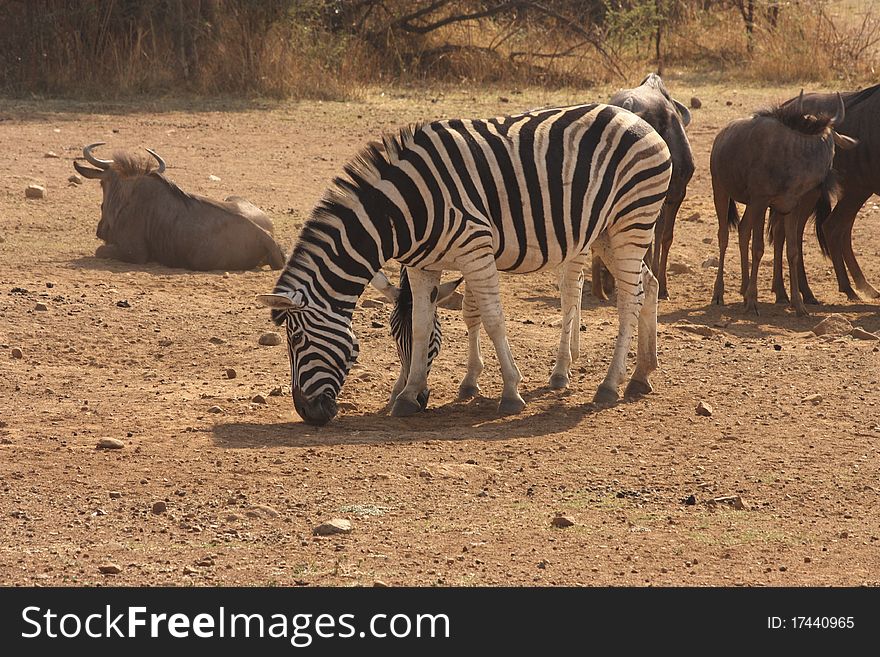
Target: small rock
[(690, 500), (189, 570), (41, 307), (231, 373), (696, 103), (376, 324), (109, 569), (215, 409), (699, 329), (261, 511), (160, 507), (276, 392), (123, 303), (861, 334), (379, 584), (75, 179), (35, 191), (711, 261), (16, 353), (704, 409), (51, 154), (679, 268), (728, 103), (270, 339), (732, 500), (561, 521), (335, 526), (834, 324), (372, 303), (165, 342), (216, 340), (214, 178), (347, 406), (206, 562), (812, 399), (114, 494), (259, 399), (110, 443), (503, 99)]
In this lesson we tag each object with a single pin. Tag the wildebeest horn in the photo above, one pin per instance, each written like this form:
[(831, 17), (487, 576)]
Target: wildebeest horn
[(841, 111), (799, 103), (87, 153), (161, 162)]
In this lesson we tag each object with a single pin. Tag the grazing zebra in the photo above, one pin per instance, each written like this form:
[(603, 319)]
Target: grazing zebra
[(517, 193)]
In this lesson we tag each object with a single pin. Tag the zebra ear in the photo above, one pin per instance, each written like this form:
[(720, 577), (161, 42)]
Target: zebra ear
[(683, 112), (627, 104), (295, 301), (389, 291), (447, 297)]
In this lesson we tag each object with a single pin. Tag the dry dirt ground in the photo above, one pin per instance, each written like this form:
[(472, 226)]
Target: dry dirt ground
[(456, 496)]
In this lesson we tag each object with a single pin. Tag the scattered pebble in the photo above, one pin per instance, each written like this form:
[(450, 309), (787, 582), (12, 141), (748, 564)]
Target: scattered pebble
[(347, 406), (380, 584), (75, 179), (109, 569), (696, 103), (812, 399), (16, 353), (35, 191), (165, 342), (276, 392), (861, 334), (189, 570), (704, 409), (270, 339), (52, 155), (215, 340), (259, 399), (214, 178), (161, 506), (110, 443), (376, 324), (41, 307), (215, 409), (731, 500), (679, 268), (561, 521), (231, 373), (114, 494), (711, 261), (690, 500), (261, 511), (334, 526), (123, 303), (372, 303), (834, 324)]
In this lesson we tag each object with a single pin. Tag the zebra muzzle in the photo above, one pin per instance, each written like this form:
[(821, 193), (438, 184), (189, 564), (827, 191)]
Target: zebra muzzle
[(317, 410)]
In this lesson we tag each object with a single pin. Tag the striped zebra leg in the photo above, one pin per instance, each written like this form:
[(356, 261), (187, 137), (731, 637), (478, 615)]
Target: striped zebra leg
[(471, 315), (571, 285), (481, 275), (646, 359), (624, 258), (424, 286)]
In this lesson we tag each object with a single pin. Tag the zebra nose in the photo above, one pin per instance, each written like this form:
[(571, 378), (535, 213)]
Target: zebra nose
[(319, 410)]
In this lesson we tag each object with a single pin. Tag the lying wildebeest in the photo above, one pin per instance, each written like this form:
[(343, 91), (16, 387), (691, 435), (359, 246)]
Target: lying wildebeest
[(145, 217), (772, 160), (653, 103), (858, 172)]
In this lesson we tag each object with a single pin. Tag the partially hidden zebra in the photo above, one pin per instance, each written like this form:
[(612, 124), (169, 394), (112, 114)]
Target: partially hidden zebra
[(517, 193)]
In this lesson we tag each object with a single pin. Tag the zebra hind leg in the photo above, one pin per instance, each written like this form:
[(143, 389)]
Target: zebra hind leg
[(469, 386), (571, 284), (646, 359)]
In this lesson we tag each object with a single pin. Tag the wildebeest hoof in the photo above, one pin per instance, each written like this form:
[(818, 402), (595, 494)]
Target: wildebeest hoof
[(800, 311), (751, 306), (605, 396), (718, 299), (423, 397), (663, 294), (559, 381), (782, 299), (511, 405), (813, 301), (405, 407), (468, 391), (637, 388)]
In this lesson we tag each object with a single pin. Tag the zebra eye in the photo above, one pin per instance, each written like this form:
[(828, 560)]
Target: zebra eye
[(295, 338)]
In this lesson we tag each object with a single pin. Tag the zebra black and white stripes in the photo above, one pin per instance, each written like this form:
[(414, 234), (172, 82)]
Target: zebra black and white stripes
[(517, 193)]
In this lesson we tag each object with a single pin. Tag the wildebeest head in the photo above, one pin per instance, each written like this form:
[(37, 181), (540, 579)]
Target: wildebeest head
[(792, 115), (110, 173)]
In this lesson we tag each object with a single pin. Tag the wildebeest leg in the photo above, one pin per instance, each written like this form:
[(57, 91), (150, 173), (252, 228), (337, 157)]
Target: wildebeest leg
[(481, 276), (571, 284), (722, 204), (754, 216), (663, 241), (745, 234), (792, 249), (471, 315), (838, 234), (423, 284), (852, 264), (630, 296), (777, 236), (806, 292)]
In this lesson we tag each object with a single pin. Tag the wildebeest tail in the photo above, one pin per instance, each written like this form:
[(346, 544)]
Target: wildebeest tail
[(732, 215), (827, 191)]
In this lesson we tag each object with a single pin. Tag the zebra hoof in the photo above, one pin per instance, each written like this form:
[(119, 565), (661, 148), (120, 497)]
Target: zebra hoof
[(559, 382), (468, 392), (405, 407), (511, 405), (637, 388), (605, 396), (423, 397)]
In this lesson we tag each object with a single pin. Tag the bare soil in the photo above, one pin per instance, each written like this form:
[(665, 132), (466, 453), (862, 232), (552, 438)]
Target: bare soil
[(456, 496)]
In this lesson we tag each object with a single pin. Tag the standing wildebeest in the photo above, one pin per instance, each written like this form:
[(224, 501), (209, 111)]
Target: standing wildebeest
[(772, 160), (518, 193), (858, 172), (145, 217), (653, 103)]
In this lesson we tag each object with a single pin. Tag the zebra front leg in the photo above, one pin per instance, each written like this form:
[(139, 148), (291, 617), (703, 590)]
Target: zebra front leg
[(646, 358), (481, 276), (399, 384), (571, 284), (471, 315), (424, 284)]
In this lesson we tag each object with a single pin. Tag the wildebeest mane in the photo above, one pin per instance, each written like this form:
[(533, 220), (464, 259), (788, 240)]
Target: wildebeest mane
[(127, 165), (861, 96), (790, 117)]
